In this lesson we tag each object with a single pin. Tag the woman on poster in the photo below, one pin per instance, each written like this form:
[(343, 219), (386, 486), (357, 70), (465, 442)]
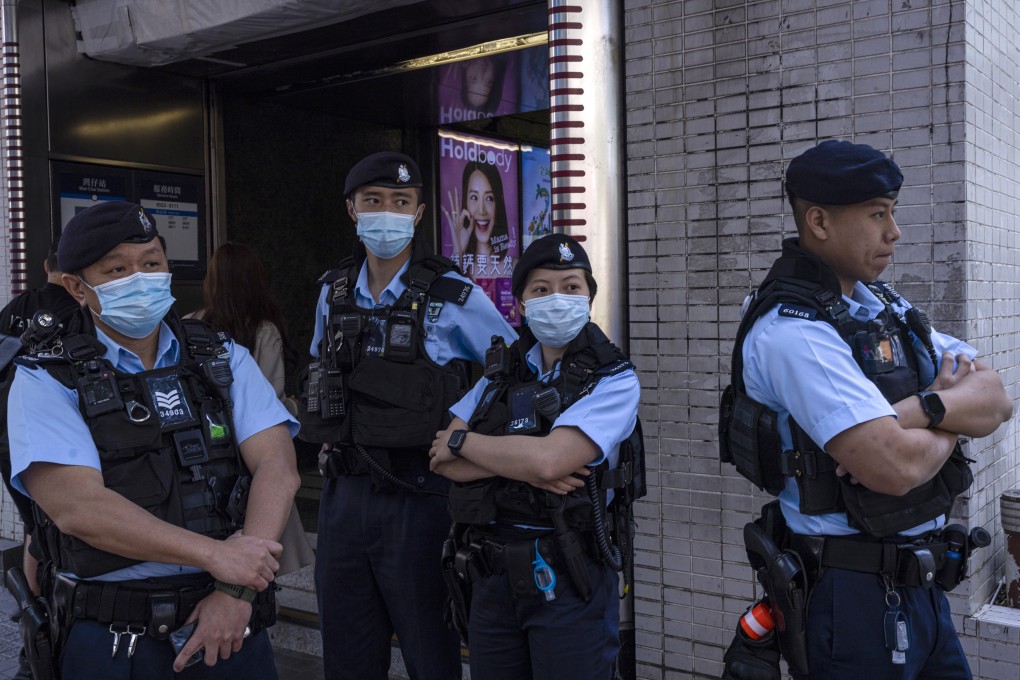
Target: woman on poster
[(478, 227)]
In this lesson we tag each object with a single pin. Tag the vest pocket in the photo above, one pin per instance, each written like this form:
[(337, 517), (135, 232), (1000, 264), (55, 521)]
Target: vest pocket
[(395, 406), (145, 480)]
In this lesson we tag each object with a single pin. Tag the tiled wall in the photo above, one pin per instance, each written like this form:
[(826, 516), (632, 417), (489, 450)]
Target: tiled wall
[(720, 96)]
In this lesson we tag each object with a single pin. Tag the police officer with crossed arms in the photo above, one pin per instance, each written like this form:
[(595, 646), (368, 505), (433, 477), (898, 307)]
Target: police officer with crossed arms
[(870, 402), (162, 469), (528, 448)]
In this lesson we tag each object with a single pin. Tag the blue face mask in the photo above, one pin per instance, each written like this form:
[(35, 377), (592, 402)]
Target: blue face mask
[(385, 234), (134, 306), (556, 319)]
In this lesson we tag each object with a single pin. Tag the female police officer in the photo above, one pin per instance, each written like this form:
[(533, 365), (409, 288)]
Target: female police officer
[(550, 414)]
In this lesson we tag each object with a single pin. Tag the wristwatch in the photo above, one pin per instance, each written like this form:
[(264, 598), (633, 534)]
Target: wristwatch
[(234, 590), (457, 441), (931, 404)]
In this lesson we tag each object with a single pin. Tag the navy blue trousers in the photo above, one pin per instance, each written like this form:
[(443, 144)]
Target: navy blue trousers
[(845, 632), (87, 656), (515, 637), (377, 571)]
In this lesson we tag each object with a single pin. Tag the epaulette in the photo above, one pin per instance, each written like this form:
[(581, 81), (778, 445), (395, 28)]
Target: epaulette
[(451, 290), (331, 276)]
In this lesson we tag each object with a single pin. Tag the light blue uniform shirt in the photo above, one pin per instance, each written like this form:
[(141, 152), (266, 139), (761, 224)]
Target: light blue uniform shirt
[(607, 415), (457, 332), (803, 369), (45, 425)]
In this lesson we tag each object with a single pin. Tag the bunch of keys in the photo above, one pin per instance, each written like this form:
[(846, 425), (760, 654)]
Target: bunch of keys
[(895, 629)]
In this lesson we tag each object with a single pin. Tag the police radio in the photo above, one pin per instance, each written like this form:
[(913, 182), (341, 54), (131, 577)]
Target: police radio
[(325, 391)]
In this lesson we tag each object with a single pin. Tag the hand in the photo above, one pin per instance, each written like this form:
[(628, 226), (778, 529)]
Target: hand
[(459, 220), (246, 560), (222, 620), (566, 484), (440, 452), (952, 371), (842, 472)]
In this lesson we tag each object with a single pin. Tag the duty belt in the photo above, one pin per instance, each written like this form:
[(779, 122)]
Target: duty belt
[(343, 461), (908, 561), (152, 607)]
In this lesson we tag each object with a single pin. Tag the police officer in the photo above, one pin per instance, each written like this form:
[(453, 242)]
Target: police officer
[(393, 327), (526, 449), (870, 403), (161, 466), (14, 318)]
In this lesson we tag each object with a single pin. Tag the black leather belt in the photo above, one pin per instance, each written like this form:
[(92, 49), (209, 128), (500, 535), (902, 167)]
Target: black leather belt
[(909, 561), (340, 462), (158, 607)]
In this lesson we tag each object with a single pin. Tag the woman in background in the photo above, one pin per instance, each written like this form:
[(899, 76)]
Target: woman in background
[(237, 301)]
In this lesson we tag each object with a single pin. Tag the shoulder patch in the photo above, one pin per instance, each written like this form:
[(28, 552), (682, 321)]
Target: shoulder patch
[(330, 276), (451, 290), (798, 311)]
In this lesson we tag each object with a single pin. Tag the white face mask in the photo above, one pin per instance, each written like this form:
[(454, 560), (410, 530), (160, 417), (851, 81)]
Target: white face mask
[(556, 319), (385, 234)]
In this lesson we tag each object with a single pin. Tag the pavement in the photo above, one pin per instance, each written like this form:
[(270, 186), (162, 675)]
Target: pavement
[(290, 665)]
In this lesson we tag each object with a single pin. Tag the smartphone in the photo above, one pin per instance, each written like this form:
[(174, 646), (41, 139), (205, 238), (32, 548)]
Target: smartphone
[(180, 637)]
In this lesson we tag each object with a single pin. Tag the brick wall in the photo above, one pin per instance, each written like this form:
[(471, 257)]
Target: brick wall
[(720, 96)]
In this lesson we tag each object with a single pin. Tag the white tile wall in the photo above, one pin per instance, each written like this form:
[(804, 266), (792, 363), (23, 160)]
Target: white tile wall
[(720, 96)]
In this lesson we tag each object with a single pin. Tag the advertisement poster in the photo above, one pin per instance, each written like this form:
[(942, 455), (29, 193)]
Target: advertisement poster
[(536, 188), (534, 78), (479, 214), (483, 87)]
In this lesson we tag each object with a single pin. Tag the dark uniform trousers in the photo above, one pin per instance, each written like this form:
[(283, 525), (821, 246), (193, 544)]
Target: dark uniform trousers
[(526, 637), (87, 656), (846, 638), (377, 571)]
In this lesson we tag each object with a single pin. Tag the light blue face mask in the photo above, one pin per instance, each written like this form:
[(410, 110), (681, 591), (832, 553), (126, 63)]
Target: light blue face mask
[(385, 234), (556, 319), (134, 305)]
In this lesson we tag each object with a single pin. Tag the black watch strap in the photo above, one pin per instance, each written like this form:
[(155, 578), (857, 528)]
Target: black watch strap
[(931, 404), (234, 590)]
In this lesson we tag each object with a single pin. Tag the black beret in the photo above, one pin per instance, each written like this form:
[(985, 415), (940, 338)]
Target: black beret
[(96, 231), (841, 173), (555, 251), (383, 169)]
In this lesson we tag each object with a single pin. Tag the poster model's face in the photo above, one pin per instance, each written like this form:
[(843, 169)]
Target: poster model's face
[(479, 77), (481, 205)]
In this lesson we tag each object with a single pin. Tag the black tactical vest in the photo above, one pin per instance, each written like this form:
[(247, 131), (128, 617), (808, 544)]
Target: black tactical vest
[(374, 383), (516, 402), (165, 439), (748, 436)]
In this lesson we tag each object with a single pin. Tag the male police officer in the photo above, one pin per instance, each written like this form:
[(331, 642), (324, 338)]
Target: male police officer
[(146, 443), (14, 319), (527, 447), (870, 403), (393, 326)]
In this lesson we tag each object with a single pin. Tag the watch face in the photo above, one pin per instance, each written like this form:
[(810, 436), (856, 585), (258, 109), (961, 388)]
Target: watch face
[(457, 439), (933, 405)]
